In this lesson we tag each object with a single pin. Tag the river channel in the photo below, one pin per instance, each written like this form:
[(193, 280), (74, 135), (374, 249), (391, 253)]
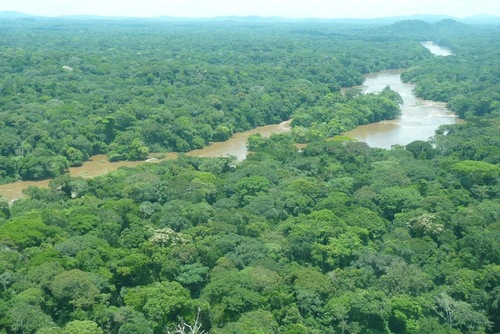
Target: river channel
[(419, 120), (99, 164)]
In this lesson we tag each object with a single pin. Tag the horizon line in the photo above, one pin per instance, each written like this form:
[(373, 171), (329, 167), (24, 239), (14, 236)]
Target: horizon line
[(18, 13)]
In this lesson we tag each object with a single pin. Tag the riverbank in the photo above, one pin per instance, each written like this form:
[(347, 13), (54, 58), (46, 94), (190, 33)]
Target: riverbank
[(419, 120), (99, 164)]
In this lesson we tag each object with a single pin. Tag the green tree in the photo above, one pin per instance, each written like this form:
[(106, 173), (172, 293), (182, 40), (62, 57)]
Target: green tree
[(393, 200), (476, 172), (161, 303), (73, 290), (25, 317), (229, 294), (254, 322), (459, 314), (137, 150), (4, 208), (421, 149), (81, 327), (27, 230)]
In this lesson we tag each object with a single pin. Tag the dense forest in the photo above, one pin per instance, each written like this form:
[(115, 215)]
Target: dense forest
[(70, 90), (331, 237)]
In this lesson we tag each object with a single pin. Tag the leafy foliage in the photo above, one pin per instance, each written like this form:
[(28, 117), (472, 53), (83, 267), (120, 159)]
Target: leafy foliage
[(334, 237), (130, 88)]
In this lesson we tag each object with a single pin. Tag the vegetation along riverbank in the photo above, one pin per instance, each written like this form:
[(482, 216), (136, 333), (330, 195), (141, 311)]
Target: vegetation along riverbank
[(334, 237)]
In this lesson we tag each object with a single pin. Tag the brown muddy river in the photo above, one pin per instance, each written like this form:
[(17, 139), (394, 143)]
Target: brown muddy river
[(419, 120), (99, 164)]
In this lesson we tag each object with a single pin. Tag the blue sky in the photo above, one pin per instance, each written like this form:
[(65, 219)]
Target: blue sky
[(284, 8)]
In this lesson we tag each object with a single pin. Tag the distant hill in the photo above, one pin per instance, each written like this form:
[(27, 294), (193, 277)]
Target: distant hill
[(410, 25), (419, 27), (12, 14), (405, 27), (394, 19), (261, 19), (449, 24), (87, 17)]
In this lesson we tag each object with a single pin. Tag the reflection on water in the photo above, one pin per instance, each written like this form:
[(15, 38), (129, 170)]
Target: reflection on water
[(436, 49)]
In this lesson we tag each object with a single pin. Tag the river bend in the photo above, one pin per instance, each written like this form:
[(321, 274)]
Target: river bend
[(419, 119)]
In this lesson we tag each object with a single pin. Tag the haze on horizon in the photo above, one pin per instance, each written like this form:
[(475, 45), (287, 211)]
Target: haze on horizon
[(282, 8)]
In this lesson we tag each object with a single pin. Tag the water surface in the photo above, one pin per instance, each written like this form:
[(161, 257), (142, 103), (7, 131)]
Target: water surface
[(436, 49), (419, 119), (99, 164)]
